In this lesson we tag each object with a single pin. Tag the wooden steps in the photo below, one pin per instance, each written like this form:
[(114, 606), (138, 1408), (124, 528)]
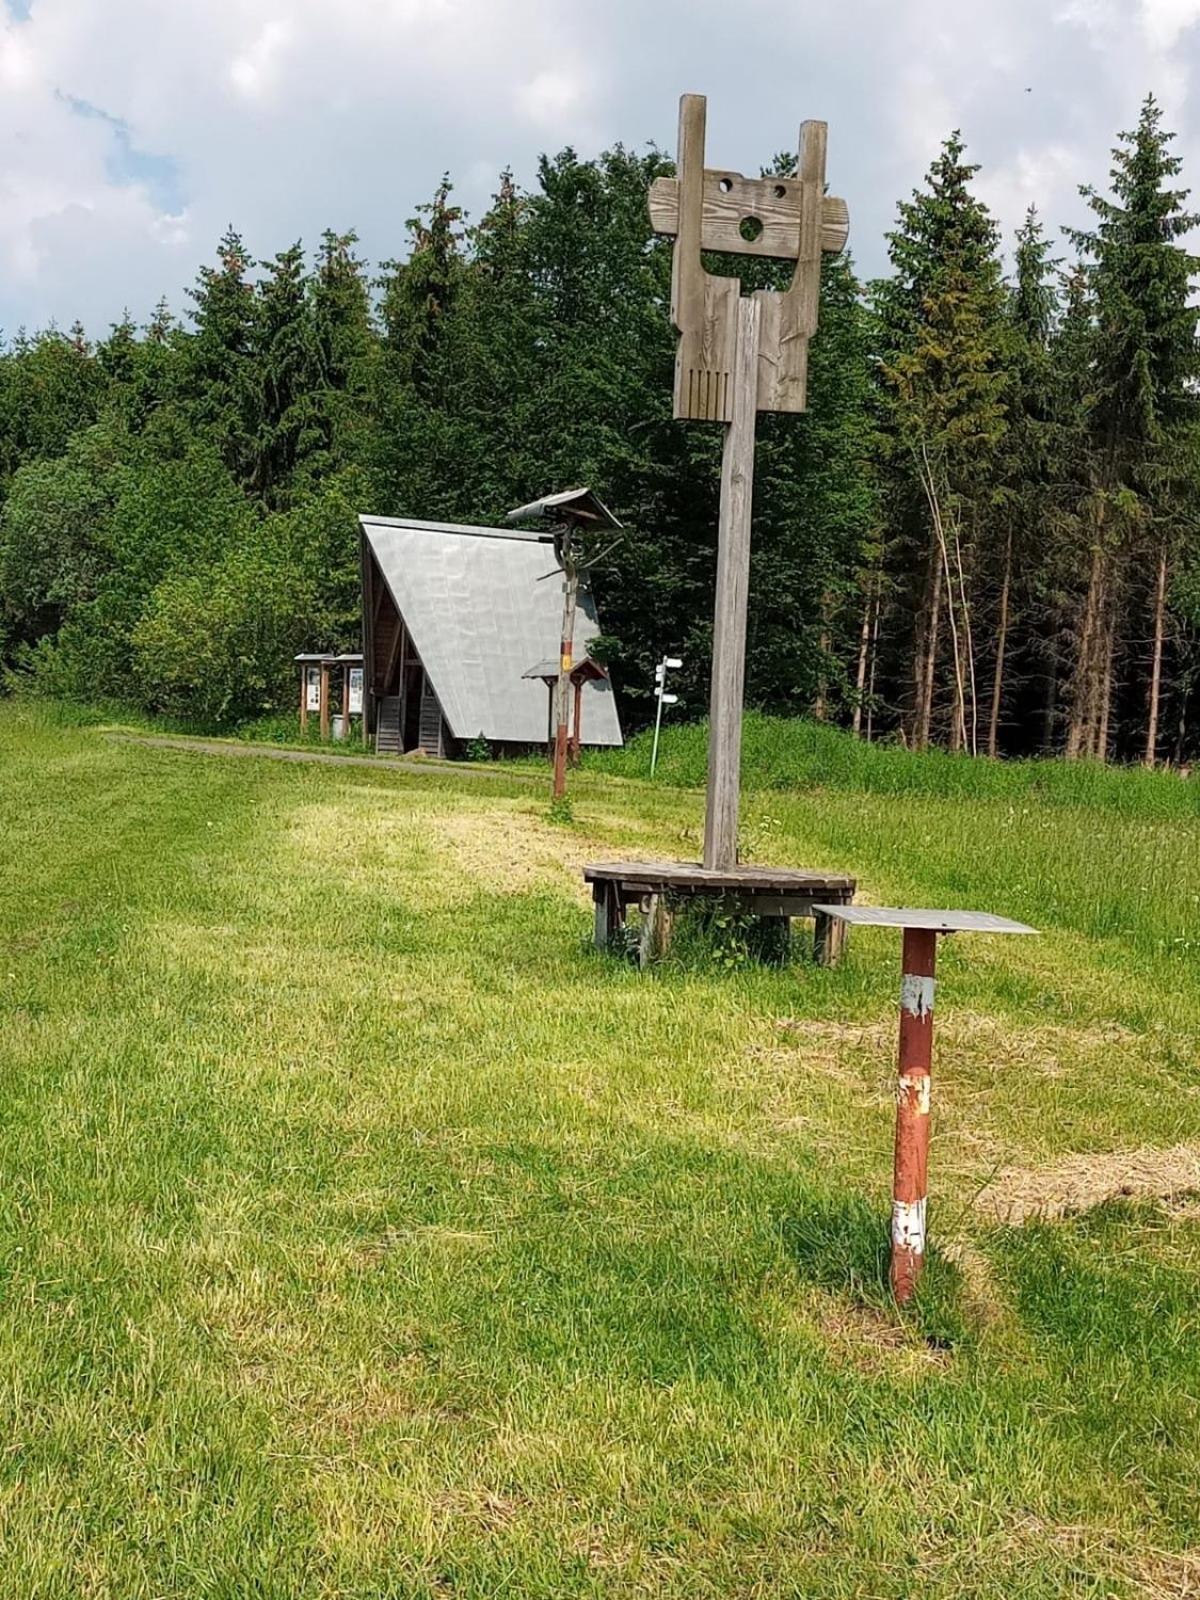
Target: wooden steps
[(387, 727), (430, 736)]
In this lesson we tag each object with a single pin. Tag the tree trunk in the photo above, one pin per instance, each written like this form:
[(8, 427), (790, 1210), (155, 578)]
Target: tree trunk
[(1106, 689), (874, 659), (927, 659), (864, 647), (820, 704), (1085, 684), (1001, 645), (1160, 609)]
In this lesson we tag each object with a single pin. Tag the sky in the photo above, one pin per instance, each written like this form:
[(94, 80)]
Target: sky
[(133, 131)]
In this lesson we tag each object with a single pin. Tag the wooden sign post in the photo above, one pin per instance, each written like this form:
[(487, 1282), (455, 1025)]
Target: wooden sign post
[(738, 356)]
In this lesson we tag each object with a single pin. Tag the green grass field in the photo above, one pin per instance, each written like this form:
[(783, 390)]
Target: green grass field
[(364, 1234)]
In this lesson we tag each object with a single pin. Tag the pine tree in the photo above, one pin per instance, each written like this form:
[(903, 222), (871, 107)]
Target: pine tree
[(220, 385), (285, 372), (1022, 503), (344, 351), (1142, 412), (941, 320)]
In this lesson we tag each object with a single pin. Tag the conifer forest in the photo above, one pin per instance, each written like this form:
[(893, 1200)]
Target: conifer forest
[(984, 534)]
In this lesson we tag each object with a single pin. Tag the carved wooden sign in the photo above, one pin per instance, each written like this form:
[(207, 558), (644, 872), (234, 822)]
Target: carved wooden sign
[(786, 218)]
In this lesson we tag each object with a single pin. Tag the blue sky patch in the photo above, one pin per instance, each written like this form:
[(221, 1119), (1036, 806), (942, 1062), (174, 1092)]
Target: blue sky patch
[(127, 164)]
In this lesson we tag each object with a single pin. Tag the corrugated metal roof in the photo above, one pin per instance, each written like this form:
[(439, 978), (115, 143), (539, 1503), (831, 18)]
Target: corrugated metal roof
[(481, 604)]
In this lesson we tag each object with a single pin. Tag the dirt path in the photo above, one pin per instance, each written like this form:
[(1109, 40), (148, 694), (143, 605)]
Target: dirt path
[(221, 747)]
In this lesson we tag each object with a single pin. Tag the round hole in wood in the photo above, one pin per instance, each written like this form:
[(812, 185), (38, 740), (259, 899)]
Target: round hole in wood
[(725, 185), (750, 229), (780, 191)]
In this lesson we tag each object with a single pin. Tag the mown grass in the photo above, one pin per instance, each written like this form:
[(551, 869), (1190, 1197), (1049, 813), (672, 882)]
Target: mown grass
[(364, 1234)]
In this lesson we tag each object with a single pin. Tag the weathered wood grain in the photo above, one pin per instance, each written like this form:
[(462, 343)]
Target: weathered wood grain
[(724, 211), (641, 877), (703, 308), (789, 319), (733, 587)]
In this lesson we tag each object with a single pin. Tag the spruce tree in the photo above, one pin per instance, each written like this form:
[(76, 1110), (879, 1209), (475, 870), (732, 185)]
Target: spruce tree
[(941, 321), (285, 372), (1142, 413), (220, 385), (1022, 503)]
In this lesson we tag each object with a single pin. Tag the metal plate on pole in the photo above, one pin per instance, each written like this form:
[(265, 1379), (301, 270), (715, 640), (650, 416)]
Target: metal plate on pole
[(933, 921)]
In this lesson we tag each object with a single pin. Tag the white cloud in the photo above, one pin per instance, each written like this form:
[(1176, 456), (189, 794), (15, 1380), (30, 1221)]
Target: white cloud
[(549, 98), (258, 71), (1165, 21), (286, 116)]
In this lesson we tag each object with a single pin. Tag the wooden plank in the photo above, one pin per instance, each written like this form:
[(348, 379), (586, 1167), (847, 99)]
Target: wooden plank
[(690, 875), (733, 585), (758, 905), (724, 211), (601, 895), (829, 940), (790, 318), (702, 307)]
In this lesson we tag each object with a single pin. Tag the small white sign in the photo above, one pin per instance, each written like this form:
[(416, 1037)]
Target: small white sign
[(356, 691), (313, 691)]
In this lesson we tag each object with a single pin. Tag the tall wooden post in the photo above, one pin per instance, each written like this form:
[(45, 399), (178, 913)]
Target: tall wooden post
[(324, 700), (733, 587), (566, 662), (303, 698), (736, 356)]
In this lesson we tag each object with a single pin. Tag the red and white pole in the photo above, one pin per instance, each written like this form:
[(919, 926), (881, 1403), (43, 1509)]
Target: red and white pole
[(910, 1183)]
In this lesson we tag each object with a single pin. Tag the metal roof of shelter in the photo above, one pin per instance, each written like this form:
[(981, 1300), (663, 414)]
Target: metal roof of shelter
[(480, 604)]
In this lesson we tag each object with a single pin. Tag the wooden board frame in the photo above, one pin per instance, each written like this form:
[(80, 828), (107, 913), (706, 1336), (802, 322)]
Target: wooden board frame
[(787, 218)]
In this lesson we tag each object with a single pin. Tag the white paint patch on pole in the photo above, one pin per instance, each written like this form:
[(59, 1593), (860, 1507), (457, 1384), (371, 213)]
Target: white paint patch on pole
[(908, 1225), (916, 995), (914, 1094)]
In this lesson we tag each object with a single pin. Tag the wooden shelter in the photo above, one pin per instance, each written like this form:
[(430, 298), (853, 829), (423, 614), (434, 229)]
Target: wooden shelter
[(452, 617)]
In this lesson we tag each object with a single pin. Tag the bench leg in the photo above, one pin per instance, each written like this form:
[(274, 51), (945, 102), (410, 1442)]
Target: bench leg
[(609, 913), (656, 931), (829, 940)]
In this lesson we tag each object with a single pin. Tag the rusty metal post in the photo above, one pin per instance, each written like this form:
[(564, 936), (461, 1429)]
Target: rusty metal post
[(910, 1183)]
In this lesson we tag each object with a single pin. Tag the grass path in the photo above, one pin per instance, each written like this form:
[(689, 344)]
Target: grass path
[(232, 747), (362, 1234)]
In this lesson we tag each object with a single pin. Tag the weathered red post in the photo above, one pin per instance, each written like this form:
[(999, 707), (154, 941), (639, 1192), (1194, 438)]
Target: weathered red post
[(910, 1173), (910, 1169)]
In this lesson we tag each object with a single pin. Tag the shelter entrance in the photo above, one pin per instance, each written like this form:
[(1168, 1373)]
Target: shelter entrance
[(412, 691)]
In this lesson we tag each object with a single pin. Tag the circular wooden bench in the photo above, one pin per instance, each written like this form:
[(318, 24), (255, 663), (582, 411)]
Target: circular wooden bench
[(778, 893)]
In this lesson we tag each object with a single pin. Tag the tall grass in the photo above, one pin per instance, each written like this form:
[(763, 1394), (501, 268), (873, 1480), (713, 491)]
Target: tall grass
[(791, 754)]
